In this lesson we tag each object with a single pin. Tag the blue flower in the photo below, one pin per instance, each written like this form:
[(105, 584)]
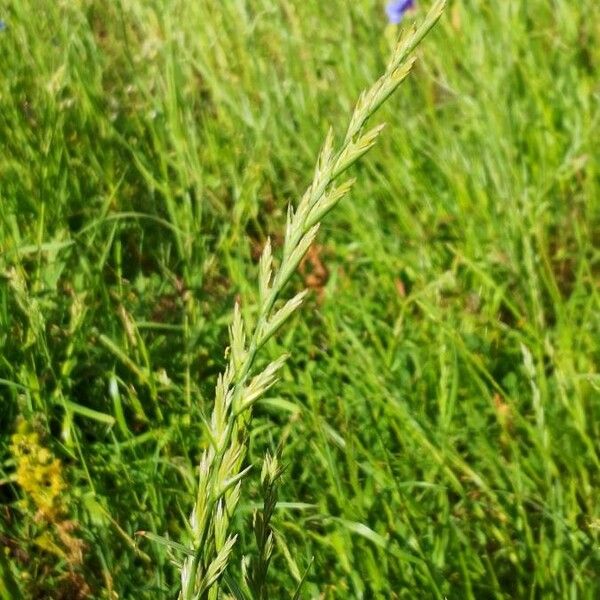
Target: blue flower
[(2, 25), (395, 10)]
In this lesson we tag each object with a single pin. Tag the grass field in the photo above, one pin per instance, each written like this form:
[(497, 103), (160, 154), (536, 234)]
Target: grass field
[(439, 415)]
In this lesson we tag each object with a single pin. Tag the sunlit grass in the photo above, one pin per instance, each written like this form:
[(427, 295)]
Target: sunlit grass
[(438, 417)]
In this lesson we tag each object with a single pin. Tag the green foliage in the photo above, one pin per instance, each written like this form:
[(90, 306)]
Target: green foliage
[(220, 472), (438, 414)]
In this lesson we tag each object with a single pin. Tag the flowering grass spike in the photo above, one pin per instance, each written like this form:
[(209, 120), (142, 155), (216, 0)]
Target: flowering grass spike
[(206, 553)]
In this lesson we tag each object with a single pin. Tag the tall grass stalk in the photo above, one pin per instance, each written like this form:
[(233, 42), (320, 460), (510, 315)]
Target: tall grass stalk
[(221, 468)]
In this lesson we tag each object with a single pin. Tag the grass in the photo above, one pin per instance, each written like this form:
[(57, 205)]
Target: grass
[(438, 417)]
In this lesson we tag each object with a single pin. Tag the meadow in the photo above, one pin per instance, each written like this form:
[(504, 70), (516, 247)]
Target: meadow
[(437, 421)]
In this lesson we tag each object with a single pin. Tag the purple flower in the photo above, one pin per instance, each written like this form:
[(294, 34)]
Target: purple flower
[(395, 10)]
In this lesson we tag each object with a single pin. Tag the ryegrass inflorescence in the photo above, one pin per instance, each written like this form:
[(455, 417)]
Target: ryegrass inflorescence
[(221, 468)]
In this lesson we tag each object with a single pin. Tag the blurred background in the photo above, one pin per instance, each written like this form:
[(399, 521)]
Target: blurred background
[(439, 414)]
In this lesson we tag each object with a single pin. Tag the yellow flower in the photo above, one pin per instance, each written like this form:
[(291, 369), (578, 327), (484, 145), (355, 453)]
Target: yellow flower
[(38, 472)]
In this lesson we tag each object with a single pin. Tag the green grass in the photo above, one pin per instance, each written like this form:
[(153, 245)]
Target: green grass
[(439, 415)]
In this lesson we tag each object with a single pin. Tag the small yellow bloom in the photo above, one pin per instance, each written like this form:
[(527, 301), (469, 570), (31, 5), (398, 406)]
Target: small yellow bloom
[(38, 472)]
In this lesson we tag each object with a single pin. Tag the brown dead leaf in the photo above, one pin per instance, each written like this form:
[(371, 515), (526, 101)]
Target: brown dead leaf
[(400, 287), (503, 412), (314, 272)]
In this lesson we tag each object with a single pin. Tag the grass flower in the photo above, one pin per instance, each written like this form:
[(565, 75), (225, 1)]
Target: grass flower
[(396, 10), (222, 469)]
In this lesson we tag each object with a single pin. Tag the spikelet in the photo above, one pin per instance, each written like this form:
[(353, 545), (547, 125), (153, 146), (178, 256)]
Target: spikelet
[(221, 471)]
